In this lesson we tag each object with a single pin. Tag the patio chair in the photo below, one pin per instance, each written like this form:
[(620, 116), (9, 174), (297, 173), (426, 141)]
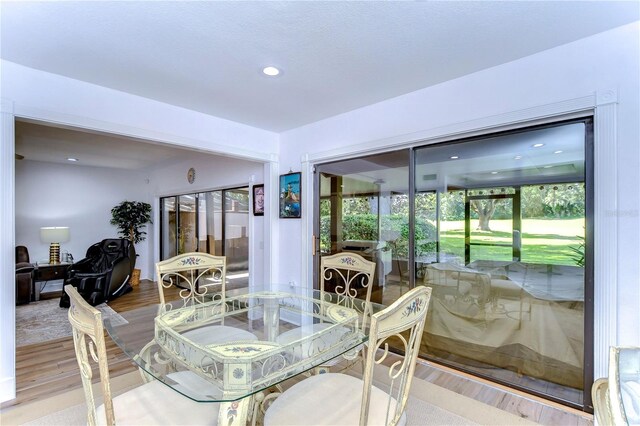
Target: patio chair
[(150, 403), (347, 400)]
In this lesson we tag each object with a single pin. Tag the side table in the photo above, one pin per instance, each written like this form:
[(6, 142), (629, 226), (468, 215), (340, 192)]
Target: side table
[(48, 272)]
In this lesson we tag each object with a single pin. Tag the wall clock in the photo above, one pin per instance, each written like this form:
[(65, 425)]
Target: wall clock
[(191, 175)]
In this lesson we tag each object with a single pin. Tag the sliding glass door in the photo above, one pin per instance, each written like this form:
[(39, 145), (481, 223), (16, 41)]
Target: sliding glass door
[(168, 228), (364, 208), (499, 227), (214, 222), (187, 223), (236, 239), (508, 278)]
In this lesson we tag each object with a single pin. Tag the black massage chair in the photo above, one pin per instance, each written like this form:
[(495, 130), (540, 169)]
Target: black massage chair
[(104, 273)]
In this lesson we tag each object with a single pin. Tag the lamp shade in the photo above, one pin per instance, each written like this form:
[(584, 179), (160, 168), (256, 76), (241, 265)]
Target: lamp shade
[(54, 234)]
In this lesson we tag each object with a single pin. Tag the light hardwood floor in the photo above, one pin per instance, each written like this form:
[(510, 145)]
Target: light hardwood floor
[(50, 368)]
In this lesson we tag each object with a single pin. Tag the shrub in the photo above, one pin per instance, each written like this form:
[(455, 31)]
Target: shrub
[(365, 227)]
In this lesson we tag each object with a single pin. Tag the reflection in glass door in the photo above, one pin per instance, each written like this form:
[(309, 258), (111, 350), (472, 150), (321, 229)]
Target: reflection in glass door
[(210, 222), (236, 240), (500, 231), (168, 227), (187, 224), (508, 278), (214, 222), (364, 208), (483, 239)]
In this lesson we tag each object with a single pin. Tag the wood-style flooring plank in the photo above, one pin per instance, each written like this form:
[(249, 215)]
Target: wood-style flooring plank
[(50, 368)]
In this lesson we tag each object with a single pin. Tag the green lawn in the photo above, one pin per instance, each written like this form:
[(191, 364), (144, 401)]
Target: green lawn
[(543, 241)]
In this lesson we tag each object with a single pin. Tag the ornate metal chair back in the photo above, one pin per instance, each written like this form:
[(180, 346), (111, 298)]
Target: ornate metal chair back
[(198, 275), (616, 385), (403, 322), (351, 274), (88, 340)]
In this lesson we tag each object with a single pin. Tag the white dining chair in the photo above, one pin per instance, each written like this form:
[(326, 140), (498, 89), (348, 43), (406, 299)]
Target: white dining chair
[(616, 398), (351, 276), (152, 403), (341, 399), (202, 279)]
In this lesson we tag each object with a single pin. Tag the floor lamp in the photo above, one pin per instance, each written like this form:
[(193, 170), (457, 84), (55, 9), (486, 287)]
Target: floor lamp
[(54, 235)]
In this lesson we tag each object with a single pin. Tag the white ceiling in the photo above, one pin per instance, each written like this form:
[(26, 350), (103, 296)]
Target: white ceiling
[(39, 142), (335, 56)]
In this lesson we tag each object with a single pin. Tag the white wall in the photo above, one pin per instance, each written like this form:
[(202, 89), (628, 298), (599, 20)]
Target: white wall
[(76, 196), (496, 96)]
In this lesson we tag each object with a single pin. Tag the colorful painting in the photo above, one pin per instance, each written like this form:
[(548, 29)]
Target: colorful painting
[(290, 196), (258, 200)]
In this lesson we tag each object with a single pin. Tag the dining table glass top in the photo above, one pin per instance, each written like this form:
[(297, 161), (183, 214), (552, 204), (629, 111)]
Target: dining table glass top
[(225, 349)]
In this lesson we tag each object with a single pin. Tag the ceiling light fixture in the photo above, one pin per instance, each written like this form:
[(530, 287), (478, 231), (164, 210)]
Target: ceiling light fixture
[(537, 145), (558, 151), (454, 157), (547, 167), (494, 173), (271, 71), (72, 159), (517, 157)]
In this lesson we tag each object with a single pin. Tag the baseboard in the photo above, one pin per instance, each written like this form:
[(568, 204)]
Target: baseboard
[(7, 389)]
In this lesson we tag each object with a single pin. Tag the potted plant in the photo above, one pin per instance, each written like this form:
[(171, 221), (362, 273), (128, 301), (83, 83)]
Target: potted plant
[(130, 217)]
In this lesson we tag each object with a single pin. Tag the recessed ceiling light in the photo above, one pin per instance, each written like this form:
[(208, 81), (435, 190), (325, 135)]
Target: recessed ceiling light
[(517, 157), (271, 71), (454, 157), (547, 167), (558, 151), (72, 159), (537, 145), (494, 173)]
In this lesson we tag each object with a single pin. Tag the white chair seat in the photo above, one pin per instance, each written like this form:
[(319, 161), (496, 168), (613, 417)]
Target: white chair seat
[(156, 404), (328, 399), (215, 334)]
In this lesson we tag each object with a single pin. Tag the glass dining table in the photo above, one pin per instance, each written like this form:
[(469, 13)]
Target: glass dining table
[(254, 355)]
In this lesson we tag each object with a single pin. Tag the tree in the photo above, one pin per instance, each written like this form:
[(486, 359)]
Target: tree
[(485, 210)]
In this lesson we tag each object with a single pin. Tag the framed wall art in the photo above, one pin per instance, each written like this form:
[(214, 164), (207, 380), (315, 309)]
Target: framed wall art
[(258, 200), (290, 196)]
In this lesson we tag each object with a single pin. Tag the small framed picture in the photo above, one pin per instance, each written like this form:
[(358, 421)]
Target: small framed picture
[(258, 200), (290, 196)]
